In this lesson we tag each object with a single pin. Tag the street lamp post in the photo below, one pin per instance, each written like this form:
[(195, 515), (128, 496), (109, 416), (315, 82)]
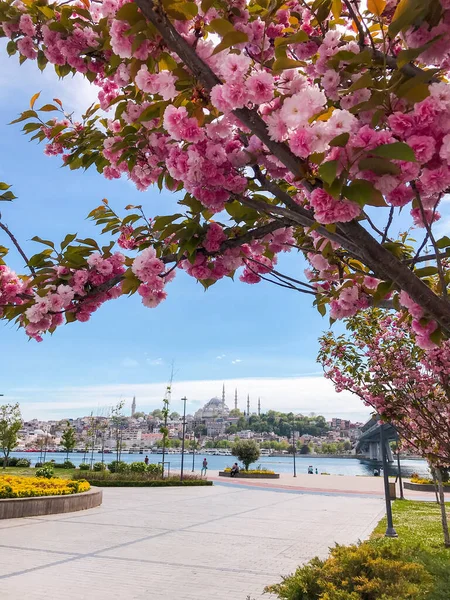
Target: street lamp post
[(293, 448), (193, 450), (390, 531), (182, 442)]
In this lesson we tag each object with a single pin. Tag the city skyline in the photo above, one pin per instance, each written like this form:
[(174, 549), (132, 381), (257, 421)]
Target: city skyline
[(297, 394)]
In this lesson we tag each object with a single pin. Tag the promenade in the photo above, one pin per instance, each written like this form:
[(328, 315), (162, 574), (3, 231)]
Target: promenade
[(329, 484), (224, 542)]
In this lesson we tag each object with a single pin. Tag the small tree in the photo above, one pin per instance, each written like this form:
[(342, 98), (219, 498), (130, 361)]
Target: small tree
[(305, 449), (10, 423), (68, 439), (247, 451)]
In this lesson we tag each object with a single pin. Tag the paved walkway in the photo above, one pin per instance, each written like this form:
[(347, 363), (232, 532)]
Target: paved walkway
[(330, 484), (222, 542)]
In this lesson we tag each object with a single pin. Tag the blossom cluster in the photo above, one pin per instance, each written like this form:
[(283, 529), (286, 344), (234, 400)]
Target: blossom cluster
[(382, 363), (311, 91)]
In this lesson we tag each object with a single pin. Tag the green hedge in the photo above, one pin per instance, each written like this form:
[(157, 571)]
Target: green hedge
[(149, 483)]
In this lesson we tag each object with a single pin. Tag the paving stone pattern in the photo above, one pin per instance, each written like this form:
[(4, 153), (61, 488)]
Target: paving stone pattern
[(221, 543)]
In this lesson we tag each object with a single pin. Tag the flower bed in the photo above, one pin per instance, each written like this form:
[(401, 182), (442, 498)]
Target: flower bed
[(12, 486), (251, 474), (150, 482), (424, 485), (138, 479)]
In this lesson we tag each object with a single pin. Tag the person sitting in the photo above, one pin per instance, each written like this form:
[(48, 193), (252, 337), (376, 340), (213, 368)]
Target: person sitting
[(234, 470), (310, 470)]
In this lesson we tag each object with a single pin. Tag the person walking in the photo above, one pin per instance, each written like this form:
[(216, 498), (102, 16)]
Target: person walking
[(146, 460), (204, 467)]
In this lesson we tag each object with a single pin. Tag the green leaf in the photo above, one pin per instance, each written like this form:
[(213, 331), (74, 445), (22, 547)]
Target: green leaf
[(297, 38), (286, 63), (221, 26), (397, 151), (88, 242), (68, 240), (406, 56), (11, 48), (71, 317), (161, 222), (365, 81), (41, 241), (182, 11), (206, 5), (378, 165), (129, 12), (363, 192), (327, 171), (7, 196), (48, 108), (4, 186), (130, 284), (340, 140), (231, 39), (426, 271), (444, 242), (405, 15)]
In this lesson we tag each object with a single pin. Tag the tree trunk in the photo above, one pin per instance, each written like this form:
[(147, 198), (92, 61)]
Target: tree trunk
[(433, 473), (443, 511), (5, 460)]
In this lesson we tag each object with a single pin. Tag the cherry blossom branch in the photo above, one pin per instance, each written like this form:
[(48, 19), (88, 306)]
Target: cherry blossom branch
[(388, 224), (17, 245), (432, 239)]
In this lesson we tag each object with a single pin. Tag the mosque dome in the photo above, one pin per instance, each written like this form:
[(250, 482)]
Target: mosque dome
[(214, 408)]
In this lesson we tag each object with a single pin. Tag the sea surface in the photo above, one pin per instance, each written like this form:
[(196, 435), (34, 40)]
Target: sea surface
[(279, 464)]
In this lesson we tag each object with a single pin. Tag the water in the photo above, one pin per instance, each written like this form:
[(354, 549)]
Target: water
[(279, 464)]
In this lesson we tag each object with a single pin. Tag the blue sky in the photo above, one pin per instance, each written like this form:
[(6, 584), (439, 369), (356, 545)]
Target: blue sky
[(260, 338)]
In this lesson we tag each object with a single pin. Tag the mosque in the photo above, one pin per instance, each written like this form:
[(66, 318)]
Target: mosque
[(213, 409), (216, 414)]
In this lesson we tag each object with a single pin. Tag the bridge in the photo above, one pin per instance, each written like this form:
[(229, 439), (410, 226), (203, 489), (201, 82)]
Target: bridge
[(369, 444)]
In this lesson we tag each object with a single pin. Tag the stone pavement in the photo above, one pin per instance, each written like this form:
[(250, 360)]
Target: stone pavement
[(335, 484), (197, 543)]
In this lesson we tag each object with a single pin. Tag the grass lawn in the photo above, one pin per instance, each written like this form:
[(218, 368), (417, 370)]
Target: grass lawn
[(418, 525), (31, 471)]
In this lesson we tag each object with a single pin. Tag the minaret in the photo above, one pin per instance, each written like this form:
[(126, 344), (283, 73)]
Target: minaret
[(248, 405), (223, 397), (133, 406), (235, 399), (259, 407)]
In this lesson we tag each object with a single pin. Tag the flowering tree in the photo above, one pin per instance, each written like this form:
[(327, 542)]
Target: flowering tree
[(380, 362), (305, 125), (10, 423)]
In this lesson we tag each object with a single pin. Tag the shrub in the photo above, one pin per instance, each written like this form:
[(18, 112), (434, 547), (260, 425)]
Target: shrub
[(45, 471), (11, 462), (155, 470), (12, 486), (138, 467), (38, 464), (360, 572), (247, 451), (84, 467), (68, 464), (98, 466), (118, 466), (22, 462)]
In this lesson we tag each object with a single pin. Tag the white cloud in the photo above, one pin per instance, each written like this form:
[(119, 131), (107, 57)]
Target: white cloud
[(220, 356), (129, 363), (442, 227), (298, 394), (236, 361), (155, 362), (76, 93)]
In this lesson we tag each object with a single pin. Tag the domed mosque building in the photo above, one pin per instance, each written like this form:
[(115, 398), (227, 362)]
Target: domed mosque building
[(215, 415)]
